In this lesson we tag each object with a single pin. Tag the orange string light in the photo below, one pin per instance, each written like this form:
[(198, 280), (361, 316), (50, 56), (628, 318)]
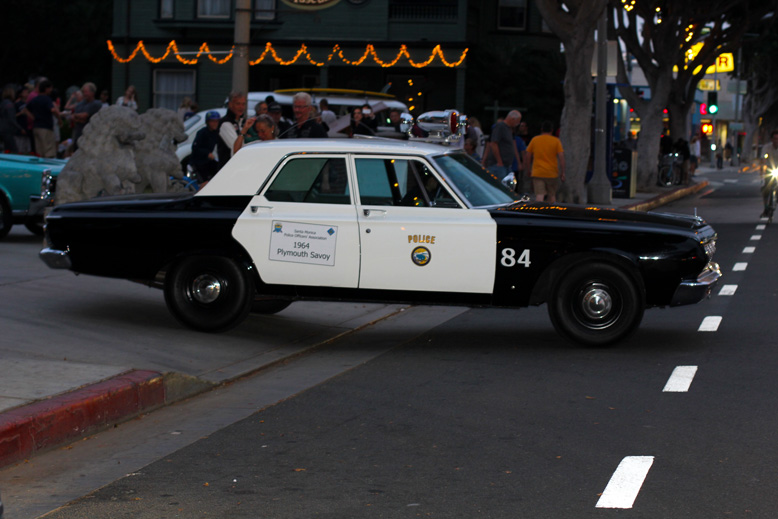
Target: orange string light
[(337, 51)]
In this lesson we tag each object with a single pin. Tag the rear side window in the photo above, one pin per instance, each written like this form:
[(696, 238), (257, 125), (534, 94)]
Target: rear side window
[(311, 180)]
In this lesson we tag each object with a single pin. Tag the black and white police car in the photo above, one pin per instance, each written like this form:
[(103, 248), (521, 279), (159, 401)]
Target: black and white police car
[(390, 221)]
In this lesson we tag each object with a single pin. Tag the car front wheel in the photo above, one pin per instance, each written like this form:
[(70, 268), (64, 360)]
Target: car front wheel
[(596, 304), (209, 293)]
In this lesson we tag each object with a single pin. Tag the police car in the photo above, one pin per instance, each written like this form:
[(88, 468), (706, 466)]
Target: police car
[(384, 220)]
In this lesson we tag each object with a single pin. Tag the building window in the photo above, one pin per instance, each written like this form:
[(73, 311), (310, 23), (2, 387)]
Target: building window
[(512, 14), (427, 11), (213, 8), (166, 9), (265, 9), (172, 86)]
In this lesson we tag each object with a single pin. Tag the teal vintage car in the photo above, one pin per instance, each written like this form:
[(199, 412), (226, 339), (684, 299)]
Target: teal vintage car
[(26, 189)]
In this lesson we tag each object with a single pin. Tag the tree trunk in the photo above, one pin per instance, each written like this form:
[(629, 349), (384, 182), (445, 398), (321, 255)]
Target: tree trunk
[(576, 123), (648, 147)]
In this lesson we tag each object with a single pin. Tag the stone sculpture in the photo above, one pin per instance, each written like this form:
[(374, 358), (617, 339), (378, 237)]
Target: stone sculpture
[(155, 156), (104, 163)]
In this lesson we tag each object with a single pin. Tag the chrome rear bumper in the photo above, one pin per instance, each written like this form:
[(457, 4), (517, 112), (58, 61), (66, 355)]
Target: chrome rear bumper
[(56, 259)]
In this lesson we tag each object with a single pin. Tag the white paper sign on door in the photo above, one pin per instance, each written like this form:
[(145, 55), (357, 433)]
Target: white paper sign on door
[(303, 243)]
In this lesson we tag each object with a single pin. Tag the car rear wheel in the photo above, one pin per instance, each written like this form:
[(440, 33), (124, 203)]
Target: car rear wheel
[(6, 217), (269, 306), (596, 304), (209, 293)]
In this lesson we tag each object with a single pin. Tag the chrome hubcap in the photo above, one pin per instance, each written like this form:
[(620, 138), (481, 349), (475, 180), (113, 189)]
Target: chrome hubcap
[(596, 302), (206, 288)]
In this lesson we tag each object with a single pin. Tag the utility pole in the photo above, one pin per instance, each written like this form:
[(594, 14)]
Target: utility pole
[(240, 60), (599, 186)]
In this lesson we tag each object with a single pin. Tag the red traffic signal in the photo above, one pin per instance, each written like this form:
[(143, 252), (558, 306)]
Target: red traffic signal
[(703, 109)]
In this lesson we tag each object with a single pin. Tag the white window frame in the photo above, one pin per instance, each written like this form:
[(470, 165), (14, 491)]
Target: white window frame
[(170, 97), (512, 3), (167, 9), (206, 8), (261, 10)]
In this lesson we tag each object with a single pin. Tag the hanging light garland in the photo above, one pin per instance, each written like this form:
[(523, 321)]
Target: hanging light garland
[(370, 52)]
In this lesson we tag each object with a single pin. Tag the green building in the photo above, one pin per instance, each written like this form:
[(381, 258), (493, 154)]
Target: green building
[(432, 54)]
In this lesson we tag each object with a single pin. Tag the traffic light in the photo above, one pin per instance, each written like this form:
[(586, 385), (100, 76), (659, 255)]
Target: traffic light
[(713, 102), (703, 109), (707, 128)]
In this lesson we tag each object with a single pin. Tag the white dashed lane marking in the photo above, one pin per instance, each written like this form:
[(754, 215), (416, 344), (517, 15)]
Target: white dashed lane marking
[(728, 290), (740, 266), (749, 250), (625, 484), (680, 379), (710, 324), (756, 237), (761, 227)]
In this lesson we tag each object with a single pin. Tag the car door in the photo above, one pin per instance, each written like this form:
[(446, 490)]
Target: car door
[(302, 227), (415, 235)]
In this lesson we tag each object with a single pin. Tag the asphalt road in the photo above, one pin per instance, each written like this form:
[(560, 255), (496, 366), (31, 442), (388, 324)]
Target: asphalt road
[(487, 414)]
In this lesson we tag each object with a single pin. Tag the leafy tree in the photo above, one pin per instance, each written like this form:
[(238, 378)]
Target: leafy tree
[(660, 35), (574, 22), (760, 68)]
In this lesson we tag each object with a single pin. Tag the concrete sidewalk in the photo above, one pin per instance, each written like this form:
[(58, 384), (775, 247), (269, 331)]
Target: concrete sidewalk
[(43, 406)]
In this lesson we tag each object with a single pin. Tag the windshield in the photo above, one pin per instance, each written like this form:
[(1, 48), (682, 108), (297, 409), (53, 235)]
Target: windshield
[(472, 182)]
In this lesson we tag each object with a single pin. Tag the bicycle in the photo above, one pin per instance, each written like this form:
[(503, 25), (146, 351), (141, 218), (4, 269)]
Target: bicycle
[(770, 194), (189, 182), (669, 170)]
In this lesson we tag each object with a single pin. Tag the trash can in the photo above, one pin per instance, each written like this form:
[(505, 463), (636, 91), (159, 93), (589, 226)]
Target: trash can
[(625, 173)]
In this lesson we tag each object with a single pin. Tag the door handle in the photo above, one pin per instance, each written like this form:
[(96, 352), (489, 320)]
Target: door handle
[(255, 208), (374, 212)]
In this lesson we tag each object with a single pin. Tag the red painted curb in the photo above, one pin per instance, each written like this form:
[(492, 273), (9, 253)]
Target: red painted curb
[(48, 423)]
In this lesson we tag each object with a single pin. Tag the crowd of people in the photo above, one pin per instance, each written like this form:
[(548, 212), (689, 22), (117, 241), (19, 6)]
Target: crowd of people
[(34, 119), (511, 155), (223, 136)]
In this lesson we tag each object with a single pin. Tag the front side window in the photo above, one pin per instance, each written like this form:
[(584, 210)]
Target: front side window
[(172, 86), (213, 8), (512, 14), (400, 182), (311, 180)]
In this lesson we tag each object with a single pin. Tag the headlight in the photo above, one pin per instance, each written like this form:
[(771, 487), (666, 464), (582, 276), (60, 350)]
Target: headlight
[(710, 248)]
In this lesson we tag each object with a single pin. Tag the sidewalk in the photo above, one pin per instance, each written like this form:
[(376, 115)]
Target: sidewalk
[(42, 406)]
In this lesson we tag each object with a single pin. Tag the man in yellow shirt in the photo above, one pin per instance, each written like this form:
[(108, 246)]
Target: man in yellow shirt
[(546, 160)]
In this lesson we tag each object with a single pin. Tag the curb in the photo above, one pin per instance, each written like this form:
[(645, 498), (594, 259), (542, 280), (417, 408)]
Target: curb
[(46, 424), (43, 425), (665, 198)]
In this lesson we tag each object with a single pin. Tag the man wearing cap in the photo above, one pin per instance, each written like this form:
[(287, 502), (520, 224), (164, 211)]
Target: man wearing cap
[(305, 125), (231, 126), (203, 159)]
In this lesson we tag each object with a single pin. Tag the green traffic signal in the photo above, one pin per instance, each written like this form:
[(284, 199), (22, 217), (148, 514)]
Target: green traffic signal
[(713, 104)]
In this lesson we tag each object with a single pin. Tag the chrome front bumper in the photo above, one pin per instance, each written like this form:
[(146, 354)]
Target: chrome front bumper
[(56, 259), (690, 292)]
